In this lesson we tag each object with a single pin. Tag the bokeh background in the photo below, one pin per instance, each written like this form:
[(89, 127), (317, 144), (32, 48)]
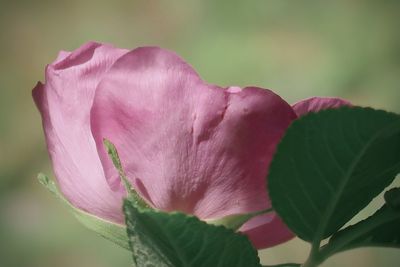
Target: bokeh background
[(348, 48)]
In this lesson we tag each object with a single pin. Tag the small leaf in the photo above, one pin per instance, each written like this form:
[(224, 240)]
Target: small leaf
[(330, 165), (132, 194), (109, 230), (379, 230), (392, 198), (177, 240)]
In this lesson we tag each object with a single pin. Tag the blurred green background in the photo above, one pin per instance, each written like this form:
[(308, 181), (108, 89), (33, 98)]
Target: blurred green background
[(297, 48)]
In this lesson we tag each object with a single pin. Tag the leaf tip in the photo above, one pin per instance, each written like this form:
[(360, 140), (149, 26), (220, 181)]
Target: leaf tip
[(43, 179)]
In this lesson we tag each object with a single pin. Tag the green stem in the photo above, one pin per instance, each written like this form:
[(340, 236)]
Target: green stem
[(314, 258), (312, 261)]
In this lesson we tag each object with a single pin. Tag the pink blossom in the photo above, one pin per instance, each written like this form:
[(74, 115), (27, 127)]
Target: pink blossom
[(185, 145)]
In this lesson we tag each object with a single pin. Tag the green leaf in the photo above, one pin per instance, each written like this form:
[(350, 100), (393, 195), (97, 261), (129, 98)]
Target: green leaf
[(109, 230), (392, 198), (330, 165), (132, 194), (178, 240), (379, 230)]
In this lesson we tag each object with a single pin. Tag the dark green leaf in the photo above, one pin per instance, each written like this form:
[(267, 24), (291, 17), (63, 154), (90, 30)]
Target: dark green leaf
[(379, 230), (392, 198), (177, 240), (330, 165)]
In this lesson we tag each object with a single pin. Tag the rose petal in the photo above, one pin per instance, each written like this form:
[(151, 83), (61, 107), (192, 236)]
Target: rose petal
[(64, 102), (315, 104), (184, 144), (266, 231), (61, 56)]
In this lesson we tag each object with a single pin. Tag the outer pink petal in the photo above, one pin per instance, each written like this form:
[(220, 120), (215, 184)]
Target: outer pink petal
[(61, 56), (187, 145), (266, 231), (315, 104), (64, 102)]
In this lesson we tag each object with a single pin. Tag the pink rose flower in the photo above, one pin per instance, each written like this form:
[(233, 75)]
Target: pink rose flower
[(185, 145)]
